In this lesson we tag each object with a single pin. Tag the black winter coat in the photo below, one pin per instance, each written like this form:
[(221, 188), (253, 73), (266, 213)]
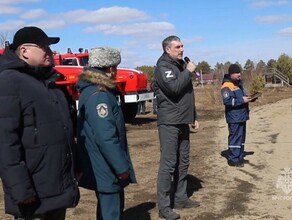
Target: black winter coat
[(36, 139), (174, 92)]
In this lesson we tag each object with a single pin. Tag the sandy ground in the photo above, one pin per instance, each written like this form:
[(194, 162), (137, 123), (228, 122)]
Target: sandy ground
[(252, 192), (225, 192)]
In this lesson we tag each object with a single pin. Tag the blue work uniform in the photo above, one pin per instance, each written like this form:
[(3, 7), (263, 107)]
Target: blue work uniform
[(236, 113)]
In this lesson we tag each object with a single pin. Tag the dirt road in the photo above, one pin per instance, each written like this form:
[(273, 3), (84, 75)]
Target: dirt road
[(252, 192), (260, 190)]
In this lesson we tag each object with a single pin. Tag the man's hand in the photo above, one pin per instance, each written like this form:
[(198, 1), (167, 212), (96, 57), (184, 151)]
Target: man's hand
[(191, 66), (124, 175), (246, 99), (29, 200), (78, 176), (124, 179), (195, 125)]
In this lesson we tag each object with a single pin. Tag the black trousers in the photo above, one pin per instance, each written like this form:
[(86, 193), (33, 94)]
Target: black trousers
[(59, 214)]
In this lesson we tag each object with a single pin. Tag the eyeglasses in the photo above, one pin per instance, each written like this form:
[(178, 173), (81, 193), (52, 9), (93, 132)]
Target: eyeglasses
[(43, 47)]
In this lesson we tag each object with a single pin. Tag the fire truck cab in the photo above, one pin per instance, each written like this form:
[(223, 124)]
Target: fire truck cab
[(131, 83), (71, 59)]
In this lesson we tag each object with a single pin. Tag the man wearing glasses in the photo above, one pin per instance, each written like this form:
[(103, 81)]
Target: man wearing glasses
[(37, 143)]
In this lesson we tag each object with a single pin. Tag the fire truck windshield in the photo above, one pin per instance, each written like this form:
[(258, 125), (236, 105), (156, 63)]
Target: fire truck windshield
[(83, 61)]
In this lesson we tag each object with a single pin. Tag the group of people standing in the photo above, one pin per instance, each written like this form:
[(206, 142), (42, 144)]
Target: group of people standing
[(41, 165)]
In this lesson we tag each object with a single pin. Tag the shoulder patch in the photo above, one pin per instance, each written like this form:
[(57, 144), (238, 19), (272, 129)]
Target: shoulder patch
[(168, 74), (225, 94), (102, 110)]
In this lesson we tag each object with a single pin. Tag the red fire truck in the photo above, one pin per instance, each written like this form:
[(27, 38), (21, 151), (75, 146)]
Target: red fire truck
[(1, 51), (131, 83)]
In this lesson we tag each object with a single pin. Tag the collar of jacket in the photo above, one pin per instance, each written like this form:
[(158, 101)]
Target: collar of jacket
[(227, 78), (180, 63), (97, 77), (42, 72)]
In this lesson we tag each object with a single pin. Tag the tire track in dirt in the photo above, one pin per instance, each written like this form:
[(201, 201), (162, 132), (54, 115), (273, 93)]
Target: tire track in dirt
[(251, 192)]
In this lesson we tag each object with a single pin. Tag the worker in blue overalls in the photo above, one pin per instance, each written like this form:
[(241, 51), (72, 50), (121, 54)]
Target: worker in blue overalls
[(236, 113)]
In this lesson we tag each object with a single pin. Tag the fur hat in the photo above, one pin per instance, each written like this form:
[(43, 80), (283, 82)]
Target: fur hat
[(32, 35), (102, 57), (234, 68)]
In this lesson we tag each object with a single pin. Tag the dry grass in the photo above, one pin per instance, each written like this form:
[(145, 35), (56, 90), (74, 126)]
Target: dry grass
[(144, 148)]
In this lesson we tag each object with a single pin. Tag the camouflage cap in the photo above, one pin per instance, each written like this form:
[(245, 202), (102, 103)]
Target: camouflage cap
[(102, 57)]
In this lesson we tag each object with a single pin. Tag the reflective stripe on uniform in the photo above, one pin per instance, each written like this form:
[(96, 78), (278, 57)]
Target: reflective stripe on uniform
[(234, 146)]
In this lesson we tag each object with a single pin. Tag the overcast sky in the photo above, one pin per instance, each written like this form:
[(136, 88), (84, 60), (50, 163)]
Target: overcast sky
[(211, 30)]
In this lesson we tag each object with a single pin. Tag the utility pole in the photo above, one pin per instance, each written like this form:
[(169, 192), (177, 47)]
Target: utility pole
[(201, 78)]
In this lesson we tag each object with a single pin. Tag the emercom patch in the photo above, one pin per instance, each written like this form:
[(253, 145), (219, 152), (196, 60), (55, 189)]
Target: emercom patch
[(102, 110), (225, 94)]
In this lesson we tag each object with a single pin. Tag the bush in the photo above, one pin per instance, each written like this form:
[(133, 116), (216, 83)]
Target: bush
[(257, 84)]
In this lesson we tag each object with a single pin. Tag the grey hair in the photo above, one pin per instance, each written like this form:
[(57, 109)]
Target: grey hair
[(167, 41)]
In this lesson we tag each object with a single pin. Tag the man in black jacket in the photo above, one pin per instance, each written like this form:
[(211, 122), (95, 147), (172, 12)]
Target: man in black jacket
[(175, 111), (37, 143)]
